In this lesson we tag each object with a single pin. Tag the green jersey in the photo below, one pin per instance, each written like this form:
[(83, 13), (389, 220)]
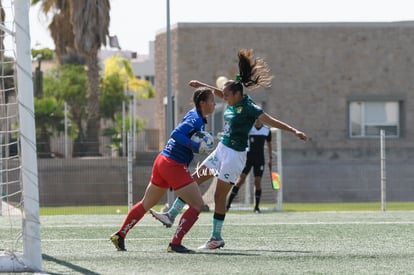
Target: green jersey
[(238, 120)]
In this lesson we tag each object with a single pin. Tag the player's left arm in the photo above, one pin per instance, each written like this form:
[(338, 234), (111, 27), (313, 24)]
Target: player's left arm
[(271, 121)]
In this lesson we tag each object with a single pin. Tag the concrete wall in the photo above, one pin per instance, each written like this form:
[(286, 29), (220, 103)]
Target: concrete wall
[(91, 181), (103, 181)]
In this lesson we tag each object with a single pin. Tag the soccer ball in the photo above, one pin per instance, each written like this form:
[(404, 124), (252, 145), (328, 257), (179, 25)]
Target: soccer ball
[(206, 141), (221, 80)]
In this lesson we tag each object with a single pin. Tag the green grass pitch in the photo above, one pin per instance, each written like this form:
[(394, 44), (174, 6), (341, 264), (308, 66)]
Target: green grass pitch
[(288, 242)]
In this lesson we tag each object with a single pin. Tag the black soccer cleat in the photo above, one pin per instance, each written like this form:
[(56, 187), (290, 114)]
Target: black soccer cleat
[(118, 241), (257, 210), (178, 248)]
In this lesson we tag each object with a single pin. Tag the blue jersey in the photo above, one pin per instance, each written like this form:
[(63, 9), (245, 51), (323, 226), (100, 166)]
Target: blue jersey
[(180, 147)]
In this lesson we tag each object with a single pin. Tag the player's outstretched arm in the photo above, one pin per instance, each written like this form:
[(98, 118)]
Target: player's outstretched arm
[(271, 121), (197, 84)]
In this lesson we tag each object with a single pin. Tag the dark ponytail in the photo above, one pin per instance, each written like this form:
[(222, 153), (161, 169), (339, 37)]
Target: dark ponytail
[(253, 73)]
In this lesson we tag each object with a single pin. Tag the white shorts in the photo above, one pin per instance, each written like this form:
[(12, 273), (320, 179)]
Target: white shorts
[(226, 163)]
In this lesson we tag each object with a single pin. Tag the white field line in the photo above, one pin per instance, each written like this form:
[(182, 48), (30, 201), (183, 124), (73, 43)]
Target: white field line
[(232, 223)]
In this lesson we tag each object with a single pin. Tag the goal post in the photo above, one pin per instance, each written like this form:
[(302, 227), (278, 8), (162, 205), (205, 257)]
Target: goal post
[(19, 169), (276, 167), (267, 177), (278, 153)]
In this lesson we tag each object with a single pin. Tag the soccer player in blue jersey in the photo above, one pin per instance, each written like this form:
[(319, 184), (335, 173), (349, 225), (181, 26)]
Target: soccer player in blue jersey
[(226, 162), (170, 170), (259, 135)]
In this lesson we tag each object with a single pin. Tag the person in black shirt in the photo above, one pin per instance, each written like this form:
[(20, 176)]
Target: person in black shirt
[(259, 134)]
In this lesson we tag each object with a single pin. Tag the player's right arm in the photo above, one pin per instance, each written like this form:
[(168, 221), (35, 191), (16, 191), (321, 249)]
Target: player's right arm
[(183, 132), (197, 84)]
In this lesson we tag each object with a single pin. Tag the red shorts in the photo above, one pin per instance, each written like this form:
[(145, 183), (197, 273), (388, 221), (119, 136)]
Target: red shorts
[(166, 173)]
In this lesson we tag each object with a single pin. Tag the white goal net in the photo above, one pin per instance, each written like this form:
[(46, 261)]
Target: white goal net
[(19, 208)]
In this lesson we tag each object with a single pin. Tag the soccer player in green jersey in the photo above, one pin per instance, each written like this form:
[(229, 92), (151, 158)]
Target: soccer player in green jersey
[(258, 136), (227, 161)]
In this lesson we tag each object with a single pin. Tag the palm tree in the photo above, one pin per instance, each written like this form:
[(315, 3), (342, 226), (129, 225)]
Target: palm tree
[(60, 27), (81, 27), (90, 21)]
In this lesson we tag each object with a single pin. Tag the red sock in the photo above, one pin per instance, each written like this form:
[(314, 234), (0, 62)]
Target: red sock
[(186, 222), (134, 215)]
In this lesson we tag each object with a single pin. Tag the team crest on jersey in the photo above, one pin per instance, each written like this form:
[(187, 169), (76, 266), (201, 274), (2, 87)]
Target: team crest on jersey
[(239, 109)]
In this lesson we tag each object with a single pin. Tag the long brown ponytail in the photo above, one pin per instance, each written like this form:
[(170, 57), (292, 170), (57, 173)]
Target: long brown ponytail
[(253, 72)]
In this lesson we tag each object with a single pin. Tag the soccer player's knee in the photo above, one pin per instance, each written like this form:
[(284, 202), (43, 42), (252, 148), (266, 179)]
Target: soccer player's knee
[(199, 206)]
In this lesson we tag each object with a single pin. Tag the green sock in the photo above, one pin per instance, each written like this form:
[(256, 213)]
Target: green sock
[(176, 208), (218, 221)]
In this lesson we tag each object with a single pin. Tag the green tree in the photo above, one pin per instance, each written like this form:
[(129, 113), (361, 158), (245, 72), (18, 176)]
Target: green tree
[(60, 26), (112, 96), (80, 27), (90, 21), (115, 131), (43, 54), (40, 55), (49, 119), (118, 83), (67, 83)]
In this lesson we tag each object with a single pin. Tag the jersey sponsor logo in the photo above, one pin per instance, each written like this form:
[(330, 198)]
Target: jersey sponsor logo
[(213, 160), (169, 147), (190, 123)]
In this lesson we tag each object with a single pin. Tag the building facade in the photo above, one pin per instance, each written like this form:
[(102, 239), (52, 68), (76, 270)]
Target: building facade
[(341, 83)]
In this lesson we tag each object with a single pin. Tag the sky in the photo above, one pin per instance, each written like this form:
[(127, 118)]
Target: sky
[(136, 22)]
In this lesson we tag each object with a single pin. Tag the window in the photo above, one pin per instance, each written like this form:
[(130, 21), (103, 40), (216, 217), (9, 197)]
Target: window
[(367, 118)]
